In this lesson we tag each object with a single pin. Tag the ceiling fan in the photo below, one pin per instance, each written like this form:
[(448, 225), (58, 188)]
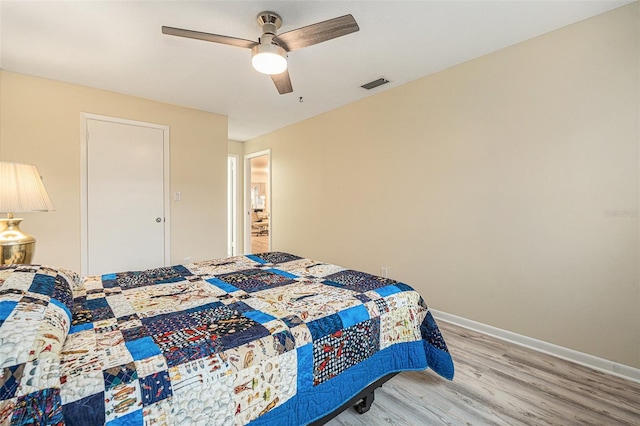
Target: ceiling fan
[(269, 53)]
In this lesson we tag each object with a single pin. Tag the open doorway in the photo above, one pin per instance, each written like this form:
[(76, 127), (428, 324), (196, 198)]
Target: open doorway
[(258, 229)]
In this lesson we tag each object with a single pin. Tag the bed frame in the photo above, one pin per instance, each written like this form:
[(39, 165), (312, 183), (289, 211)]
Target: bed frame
[(361, 402)]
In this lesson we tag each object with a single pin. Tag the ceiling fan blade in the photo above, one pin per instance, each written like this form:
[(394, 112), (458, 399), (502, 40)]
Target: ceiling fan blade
[(317, 33), (232, 41), (282, 82)]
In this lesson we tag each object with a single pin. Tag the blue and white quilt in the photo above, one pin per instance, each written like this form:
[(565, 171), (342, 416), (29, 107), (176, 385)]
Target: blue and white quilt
[(266, 339)]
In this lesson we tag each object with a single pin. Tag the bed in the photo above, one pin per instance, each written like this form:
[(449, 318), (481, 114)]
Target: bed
[(266, 339)]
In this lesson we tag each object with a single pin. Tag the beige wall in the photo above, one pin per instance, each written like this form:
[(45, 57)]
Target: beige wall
[(40, 124), (487, 186)]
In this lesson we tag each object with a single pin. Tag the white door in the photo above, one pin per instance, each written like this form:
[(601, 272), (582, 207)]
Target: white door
[(125, 197)]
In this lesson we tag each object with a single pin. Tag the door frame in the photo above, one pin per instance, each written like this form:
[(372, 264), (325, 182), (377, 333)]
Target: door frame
[(232, 204), (84, 219), (247, 198)]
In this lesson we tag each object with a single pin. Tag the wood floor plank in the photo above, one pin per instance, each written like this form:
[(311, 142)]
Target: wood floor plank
[(259, 243), (500, 383)]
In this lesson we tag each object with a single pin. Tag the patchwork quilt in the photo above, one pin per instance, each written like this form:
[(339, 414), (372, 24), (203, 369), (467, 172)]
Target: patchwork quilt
[(267, 339)]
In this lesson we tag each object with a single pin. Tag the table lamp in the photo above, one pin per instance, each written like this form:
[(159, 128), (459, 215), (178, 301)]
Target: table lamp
[(21, 190)]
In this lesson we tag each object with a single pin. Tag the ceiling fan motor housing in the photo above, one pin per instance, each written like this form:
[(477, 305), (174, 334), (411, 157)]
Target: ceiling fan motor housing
[(269, 21)]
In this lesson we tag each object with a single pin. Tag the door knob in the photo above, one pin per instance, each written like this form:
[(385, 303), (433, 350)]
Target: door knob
[(158, 219)]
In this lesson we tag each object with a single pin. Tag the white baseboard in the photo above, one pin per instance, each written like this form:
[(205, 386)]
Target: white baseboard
[(581, 358)]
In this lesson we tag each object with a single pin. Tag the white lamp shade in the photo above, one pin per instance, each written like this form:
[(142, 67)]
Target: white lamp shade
[(22, 190), (269, 59)]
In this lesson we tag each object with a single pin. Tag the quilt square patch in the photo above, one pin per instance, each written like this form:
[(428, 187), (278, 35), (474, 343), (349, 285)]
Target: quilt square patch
[(190, 318), (102, 313), (10, 380), (258, 316), (383, 306), (301, 335), (155, 387), (129, 321), (96, 303), (81, 316), (122, 400), (357, 281), (43, 407), (6, 410), (134, 333), (106, 326), (10, 293), (90, 407), (6, 308), (345, 348), (353, 315), (181, 355), (17, 279), (168, 274), (115, 376), (133, 417), (274, 257), (81, 377), (31, 304), (308, 268), (431, 333), (230, 329), (43, 284), (120, 305), (142, 348), (135, 279), (399, 325), (150, 365), (362, 297), (325, 326), (240, 306), (41, 373), (89, 310), (284, 341), (377, 307), (62, 292), (172, 340), (236, 330), (292, 321), (115, 355), (252, 280), (228, 288), (202, 394), (95, 293), (256, 394)]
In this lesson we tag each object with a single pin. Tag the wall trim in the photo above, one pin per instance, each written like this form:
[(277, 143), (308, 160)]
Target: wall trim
[(591, 361)]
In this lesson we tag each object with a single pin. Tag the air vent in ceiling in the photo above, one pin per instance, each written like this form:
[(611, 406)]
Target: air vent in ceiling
[(375, 83)]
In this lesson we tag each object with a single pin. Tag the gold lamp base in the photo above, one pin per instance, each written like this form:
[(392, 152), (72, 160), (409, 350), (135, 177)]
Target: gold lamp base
[(16, 246)]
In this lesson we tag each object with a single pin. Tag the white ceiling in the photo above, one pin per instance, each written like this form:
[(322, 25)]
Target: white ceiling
[(118, 46)]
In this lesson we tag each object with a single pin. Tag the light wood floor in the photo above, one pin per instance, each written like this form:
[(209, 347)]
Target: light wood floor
[(259, 243), (498, 383)]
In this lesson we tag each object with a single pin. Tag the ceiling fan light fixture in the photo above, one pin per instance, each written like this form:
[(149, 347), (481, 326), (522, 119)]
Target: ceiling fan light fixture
[(269, 59)]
